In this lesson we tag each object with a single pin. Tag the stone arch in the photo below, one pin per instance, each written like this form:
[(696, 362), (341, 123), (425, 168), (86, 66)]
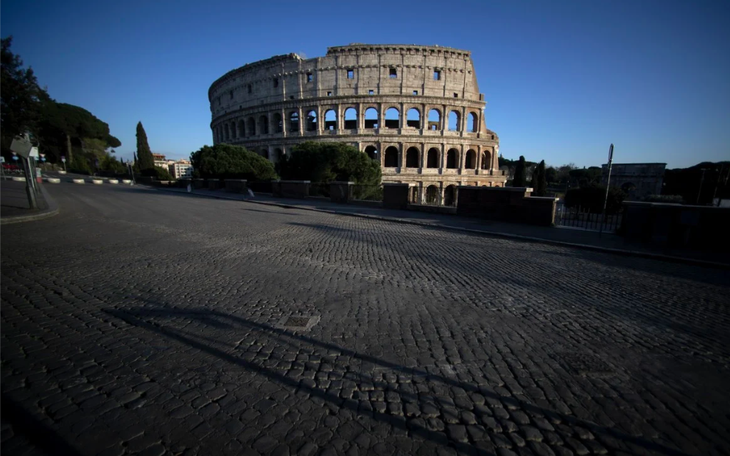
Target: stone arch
[(413, 118), (233, 129), (330, 120), (432, 160), (371, 118), (413, 157), (450, 193), (432, 194), (413, 195), (350, 118), (392, 118), (454, 121), (391, 157), (263, 124), (473, 122), (434, 119), (251, 126), (294, 121), (277, 124), (278, 154), (486, 159), (227, 131), (312, 120), (452, 159), (471, 159), (372, 152), (241, 129)]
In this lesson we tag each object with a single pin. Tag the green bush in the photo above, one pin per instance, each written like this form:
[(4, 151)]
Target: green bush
[(158, 173), (225, 161), (321, 162), (591, 198)]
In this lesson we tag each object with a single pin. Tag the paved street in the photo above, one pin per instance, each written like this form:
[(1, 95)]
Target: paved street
[(143, 322)]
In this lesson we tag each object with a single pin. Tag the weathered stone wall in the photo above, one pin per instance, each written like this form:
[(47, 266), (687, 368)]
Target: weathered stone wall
[(271, 105)]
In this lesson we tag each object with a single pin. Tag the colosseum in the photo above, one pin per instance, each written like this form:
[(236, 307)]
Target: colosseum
[(415, 109)]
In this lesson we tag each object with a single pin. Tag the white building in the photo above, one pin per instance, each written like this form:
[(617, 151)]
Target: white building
[(181, 169)]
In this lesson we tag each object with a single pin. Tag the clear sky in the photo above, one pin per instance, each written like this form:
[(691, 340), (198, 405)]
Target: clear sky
[(562, 79)]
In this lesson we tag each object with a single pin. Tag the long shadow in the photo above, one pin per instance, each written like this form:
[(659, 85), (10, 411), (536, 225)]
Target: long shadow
[(135, 317)]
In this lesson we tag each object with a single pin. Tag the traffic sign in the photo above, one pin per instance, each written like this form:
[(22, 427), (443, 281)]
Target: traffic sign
[(2, 159), (63, 159), (21, 146)]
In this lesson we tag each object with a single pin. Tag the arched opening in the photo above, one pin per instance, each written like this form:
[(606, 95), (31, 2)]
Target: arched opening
[(486, 160), (434, 119), (454, 121), (233, 130), (294, 122), (450, 195), (227, 132), (263, 125), (413, 118), (412, 157), (392, 118), (241, 129), (471, 159), (432, 194), (452, 159), (312, 121), (330, 120), (372, 152), (350, 119), (432, 160), (391, 157), (414, 195), (277, 123), (371, 118), (251, 127), (278, 155), (473, 123), (265, 153)]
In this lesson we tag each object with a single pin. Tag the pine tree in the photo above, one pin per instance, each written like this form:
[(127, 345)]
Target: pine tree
[(519, 179), (144, 154)]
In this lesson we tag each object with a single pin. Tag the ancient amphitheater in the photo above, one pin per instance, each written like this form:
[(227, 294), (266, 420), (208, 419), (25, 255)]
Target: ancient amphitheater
[(415, 109)]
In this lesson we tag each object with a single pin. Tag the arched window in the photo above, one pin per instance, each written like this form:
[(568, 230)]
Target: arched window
[(392, 118), (412, 157), (251, 127), (263, 125), (233, 130), (433, 158), (471, 159), (312, 121), (391, 157), (454, 121), (277, 124), (413, 118), (473, 123), (227, 132), (371, 118), (450, 195), (432, 194), (452, 159), (330, 120), (486, 160), (241, 129), (372, 152), (434, 119), (350, 119), (294, 122)]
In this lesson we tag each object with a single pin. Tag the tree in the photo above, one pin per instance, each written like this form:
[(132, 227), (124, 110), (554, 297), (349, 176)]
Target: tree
[(519, 180), (325, 162), (539, 182), (158, 173), (229, 161), (144, 154), (591, 198)]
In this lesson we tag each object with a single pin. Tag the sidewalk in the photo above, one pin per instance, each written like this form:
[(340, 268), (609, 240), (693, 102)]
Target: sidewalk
[(14, 206), (561, 236)]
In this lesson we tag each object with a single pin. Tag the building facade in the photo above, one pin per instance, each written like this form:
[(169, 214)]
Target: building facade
[(638, 180), (415, 109), (180, 169)]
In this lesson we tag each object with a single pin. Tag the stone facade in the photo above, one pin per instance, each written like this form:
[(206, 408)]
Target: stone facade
[(415, 109), (638, 180)]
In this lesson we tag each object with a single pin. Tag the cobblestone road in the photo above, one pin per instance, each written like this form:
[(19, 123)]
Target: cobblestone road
[(138, 322)]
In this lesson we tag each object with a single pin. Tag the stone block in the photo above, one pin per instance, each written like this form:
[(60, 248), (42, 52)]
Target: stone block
[(395, 196)]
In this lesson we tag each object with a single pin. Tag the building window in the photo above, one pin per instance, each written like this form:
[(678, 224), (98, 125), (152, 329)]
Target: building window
[(350, 74), (329, 94), (276, 82), (456, 95), (231, 93), (250, 88), (371, 92), (309, 77), (436, 75), (393, 73), (415, 92)]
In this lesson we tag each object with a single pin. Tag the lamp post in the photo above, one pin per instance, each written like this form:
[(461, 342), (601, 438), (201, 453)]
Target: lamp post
[(608, 183)]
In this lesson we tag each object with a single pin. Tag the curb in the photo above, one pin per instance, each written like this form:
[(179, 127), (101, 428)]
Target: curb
[(50, 212), (519, 237)]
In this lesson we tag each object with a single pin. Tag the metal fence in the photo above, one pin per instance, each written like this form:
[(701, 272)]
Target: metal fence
[(579, 217)]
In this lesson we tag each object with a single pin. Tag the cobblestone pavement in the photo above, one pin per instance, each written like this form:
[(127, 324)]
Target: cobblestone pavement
[(139, 322)]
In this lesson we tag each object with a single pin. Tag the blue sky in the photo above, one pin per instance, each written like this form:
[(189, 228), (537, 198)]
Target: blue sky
[(563, 79)]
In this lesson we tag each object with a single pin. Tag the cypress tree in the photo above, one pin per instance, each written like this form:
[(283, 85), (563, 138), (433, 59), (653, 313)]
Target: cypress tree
[(519, 179), (144, 154), (539, 180)]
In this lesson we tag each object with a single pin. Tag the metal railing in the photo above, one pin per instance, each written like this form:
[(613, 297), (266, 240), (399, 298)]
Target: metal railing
[(582, 218)]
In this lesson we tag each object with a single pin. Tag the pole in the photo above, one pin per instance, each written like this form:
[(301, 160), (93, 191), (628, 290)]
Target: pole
[(717, 183), (608, 184), (29, 185)]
